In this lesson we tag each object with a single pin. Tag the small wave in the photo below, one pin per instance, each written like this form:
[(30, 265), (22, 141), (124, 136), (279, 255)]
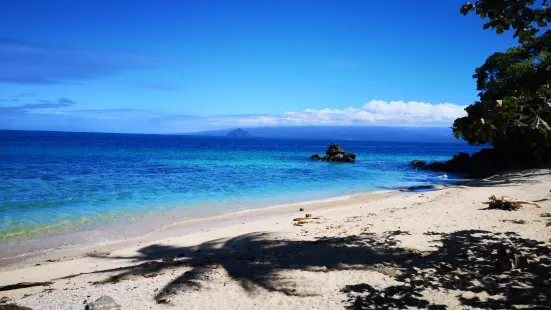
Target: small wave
[(309, 202)]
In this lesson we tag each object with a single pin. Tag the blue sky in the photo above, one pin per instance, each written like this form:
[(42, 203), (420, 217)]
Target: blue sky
[(179, 66)]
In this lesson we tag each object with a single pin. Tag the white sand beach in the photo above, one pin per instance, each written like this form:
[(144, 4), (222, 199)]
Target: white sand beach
[(442, 249)]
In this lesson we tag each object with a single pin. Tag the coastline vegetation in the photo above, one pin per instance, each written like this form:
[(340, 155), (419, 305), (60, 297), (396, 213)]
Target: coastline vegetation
[(513, 113)]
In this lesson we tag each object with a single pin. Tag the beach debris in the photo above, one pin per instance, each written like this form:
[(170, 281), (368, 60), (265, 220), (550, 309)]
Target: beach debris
[(167, 259), (507, 203), (48, 290), (432, 233), (4, 299), (163, 301), (308, 215), (52, 260), (103, 303), (298, 219), (153, 275), (518, 222), (13, 307), (23, 285), (301, 209)]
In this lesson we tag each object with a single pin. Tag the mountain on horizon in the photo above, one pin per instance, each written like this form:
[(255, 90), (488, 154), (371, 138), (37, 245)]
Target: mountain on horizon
[(370, 133), (238, 133)]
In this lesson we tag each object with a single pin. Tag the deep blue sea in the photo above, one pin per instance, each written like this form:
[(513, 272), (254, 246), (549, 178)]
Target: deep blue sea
[(55, 183)]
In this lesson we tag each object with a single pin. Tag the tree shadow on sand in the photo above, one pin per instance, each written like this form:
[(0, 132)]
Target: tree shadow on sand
[(513, 272)]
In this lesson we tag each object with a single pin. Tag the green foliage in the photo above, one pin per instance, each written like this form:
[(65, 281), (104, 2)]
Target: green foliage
[(514, 110), (525, 17)]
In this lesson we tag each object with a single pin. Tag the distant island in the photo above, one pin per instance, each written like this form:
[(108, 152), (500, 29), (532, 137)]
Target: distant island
[(340, 133), (238, 133)]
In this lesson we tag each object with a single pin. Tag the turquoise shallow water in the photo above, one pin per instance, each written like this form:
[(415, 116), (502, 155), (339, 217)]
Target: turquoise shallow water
[(54, 183)]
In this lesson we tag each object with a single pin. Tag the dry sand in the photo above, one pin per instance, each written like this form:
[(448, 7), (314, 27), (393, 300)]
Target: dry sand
[(435, 249)]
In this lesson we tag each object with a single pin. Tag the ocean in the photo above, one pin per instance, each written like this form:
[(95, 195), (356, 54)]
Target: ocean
[(54, 183)]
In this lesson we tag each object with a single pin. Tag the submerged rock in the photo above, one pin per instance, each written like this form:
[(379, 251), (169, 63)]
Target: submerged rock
[(103, 303), (335, 153), (418, 163)]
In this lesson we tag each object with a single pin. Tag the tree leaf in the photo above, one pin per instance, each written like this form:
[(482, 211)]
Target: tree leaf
[(544, 124)]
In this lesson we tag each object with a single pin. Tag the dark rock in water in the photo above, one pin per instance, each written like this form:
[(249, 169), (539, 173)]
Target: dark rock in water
[(460, 163), (335, 153), (334, 149), (348, 158), (315, 157), (238, 133), (482, 162), (103, 303), (436, 166), (461, 160), (418, 163), (486, 158), (13, 307)]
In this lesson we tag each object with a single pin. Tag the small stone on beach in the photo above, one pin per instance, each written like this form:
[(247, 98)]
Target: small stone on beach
[(103, 303), (163, 301)]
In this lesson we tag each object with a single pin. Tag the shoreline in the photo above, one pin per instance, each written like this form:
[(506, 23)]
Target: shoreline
[(76, 244), (366, 247)]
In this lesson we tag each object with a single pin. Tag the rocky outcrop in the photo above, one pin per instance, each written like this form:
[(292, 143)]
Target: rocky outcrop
[(460, 163), (334, 150), (484, 162), (335, 153)]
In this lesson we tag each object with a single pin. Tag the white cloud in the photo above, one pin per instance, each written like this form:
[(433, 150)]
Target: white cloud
[(375, 112)]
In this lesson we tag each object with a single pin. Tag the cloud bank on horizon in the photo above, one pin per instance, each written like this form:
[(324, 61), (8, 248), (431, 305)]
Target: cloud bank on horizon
[(63, 114)]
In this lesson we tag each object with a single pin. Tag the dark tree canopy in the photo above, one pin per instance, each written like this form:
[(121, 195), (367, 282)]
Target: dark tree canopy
[(513, 112), (518, 71), (514, 109), (524, 17)]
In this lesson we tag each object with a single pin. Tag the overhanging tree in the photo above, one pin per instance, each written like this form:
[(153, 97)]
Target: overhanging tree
[(524, 17), (514, 110)]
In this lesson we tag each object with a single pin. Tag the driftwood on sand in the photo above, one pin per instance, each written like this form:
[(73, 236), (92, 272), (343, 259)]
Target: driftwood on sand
[(507, 203)]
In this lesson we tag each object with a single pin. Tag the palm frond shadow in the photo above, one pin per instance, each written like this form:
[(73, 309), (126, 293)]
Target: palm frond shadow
[(466, 261)]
